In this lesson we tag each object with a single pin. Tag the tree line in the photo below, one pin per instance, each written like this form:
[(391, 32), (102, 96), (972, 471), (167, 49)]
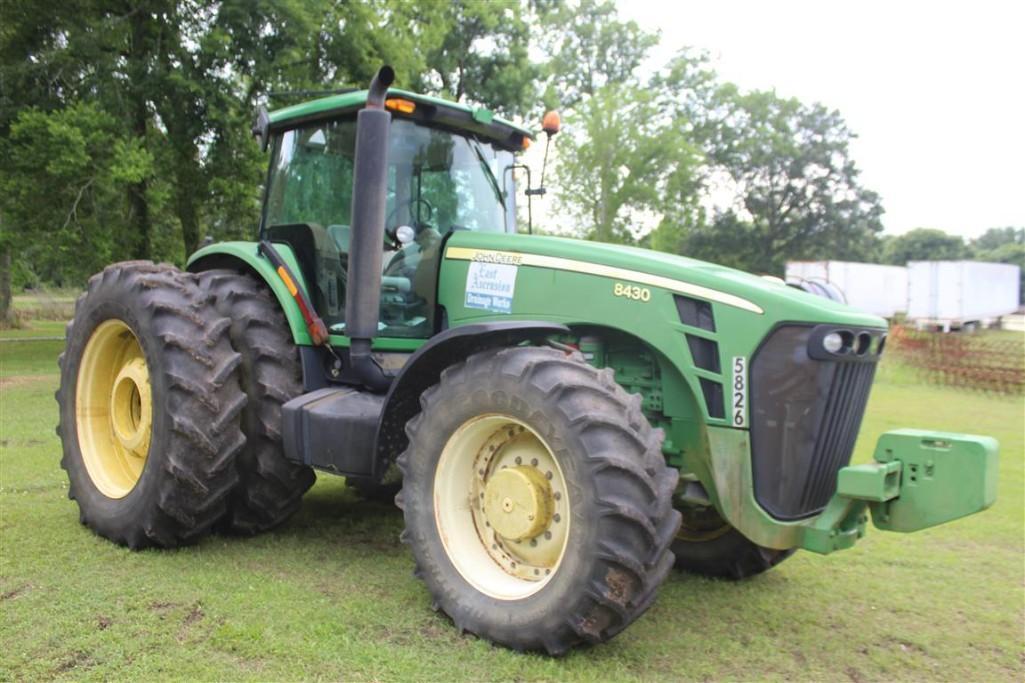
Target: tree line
[(996, 245), (124, 126)]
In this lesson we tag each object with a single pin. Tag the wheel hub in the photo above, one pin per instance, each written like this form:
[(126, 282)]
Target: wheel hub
[(130, 408), (518, 502), (512, 539)]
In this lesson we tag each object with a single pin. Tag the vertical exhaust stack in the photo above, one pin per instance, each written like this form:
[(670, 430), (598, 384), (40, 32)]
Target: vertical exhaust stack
[(366, 248)]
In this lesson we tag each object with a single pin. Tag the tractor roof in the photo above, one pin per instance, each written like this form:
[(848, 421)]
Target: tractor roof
[(428, 110)]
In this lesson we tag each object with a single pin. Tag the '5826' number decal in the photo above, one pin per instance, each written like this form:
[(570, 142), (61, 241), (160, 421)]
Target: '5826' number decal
[(738, 392)]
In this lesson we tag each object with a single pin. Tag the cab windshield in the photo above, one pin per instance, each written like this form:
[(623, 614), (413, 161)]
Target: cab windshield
[(438, 182)]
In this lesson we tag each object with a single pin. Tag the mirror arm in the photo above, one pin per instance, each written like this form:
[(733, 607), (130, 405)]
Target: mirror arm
[(530, 193)]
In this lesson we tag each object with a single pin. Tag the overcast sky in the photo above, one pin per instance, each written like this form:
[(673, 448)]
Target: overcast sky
[(935, 91)]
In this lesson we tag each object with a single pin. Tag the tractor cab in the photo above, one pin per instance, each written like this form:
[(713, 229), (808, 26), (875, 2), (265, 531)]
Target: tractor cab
[(449, 169)]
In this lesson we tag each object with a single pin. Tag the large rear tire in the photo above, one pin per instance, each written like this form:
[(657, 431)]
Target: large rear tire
[(537, 503), (270, 488), (150, 407), (707, 545)]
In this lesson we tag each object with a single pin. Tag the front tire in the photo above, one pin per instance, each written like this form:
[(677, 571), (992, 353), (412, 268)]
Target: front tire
[(149, 407), (707, 545), (537, 503)]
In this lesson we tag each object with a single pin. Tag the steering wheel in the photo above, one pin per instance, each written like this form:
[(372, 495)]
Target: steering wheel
[(414, 202)]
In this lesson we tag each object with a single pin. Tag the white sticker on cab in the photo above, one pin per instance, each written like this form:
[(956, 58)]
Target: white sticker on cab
[(490, 286)]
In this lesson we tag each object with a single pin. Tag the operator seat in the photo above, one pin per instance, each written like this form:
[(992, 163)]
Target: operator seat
[(342, 235), (320, 262)]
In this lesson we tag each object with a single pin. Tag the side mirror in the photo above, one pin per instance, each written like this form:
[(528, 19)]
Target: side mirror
[(260, 127), (551, 123)]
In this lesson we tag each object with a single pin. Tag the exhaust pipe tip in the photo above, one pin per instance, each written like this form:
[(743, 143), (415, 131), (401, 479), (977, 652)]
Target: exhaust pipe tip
[(379, 87)]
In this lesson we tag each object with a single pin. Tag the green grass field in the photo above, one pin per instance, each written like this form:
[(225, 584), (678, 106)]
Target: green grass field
[(331, 596)]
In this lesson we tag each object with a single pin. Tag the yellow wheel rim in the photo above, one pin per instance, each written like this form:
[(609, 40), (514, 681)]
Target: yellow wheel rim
[(114, 408), (501, 506)]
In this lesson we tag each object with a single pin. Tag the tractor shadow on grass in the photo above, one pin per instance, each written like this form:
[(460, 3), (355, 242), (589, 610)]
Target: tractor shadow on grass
[(332, 512)]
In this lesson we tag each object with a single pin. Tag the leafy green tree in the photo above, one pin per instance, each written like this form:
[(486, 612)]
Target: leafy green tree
[(67, 170), (622, 162), (924, 244), (619, 161), (589, 47), (995, 238), (183, 76), (1003, 245), (478, 50), (795, 191)]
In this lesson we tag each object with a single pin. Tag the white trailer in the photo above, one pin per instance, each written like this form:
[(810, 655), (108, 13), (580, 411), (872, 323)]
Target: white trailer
[(958, 294), (870, 287)]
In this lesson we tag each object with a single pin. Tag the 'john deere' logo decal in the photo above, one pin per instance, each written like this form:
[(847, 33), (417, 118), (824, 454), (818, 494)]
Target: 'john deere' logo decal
[(490, 286)]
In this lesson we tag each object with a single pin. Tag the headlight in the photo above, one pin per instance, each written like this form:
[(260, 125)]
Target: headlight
[(833, 342)]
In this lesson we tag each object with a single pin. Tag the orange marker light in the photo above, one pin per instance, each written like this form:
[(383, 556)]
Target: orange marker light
[(551, 123), (400, 105), (526, 142), (283, 274)]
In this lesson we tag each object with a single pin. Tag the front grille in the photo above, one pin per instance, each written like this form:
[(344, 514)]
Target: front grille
[(806, 407)]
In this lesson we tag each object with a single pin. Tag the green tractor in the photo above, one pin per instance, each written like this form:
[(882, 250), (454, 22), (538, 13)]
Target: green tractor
[(566, 419)]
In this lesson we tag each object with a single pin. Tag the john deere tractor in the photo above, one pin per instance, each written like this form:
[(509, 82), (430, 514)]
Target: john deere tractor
[(567, 419)]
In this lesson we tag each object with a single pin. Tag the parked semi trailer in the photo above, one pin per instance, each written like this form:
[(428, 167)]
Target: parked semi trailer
[(961, 294), (869, 287)]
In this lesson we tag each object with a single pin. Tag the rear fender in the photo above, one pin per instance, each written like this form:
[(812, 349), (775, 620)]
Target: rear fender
[(244, 257)]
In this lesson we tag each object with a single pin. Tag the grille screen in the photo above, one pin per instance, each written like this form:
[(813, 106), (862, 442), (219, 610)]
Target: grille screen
[(805, 417)]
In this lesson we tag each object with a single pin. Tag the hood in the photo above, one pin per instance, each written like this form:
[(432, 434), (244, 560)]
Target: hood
[(776, 300)]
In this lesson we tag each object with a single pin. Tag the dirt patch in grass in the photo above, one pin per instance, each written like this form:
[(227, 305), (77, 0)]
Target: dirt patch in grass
[(75, 660), (193, 617), (23, 380), (15, 592)]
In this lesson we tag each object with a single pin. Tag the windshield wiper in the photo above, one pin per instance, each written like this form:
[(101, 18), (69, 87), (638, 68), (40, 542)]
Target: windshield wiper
[(487, 170)]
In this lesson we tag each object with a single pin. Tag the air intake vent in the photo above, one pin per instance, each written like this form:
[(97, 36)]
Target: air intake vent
[(705, 353), (713, 398), (695, 312)]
